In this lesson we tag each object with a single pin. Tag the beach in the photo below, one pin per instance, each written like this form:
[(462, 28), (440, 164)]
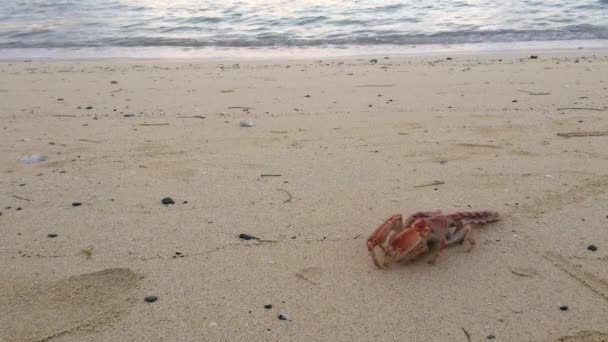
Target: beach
[(337, 146)]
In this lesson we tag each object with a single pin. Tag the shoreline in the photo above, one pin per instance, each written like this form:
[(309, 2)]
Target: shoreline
[(297, 53)]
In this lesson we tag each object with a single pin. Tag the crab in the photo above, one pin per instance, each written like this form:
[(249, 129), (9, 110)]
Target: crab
[(396, 239)]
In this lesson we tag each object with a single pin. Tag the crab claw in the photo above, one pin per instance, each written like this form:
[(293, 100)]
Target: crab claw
[(380, 235), (409, 243), (378, 242)]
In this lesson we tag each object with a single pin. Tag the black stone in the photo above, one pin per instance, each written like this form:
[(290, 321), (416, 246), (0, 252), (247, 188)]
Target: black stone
[(247, 237), (490, 337), (167, 201), (89, 107), (592, 248), (76, 204), (52, 235), (151, 299), (268, 306), (283, 317), (113, 82), (563, 308), (373, 60), (533, 57)]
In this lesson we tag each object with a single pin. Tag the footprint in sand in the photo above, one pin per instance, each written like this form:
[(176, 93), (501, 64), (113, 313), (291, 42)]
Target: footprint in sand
[(82, 303), (311, 275)]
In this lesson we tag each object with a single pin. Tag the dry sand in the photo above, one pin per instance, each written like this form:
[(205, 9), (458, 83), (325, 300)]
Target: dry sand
[(351, 141)]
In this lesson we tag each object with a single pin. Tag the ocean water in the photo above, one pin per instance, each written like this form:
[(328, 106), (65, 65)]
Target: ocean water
[(185, 24)]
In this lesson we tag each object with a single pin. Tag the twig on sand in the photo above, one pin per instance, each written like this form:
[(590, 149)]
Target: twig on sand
[(581, 134), (270, 175), (429, 184), (91, 141), (581, 108), (191, 117), (533, 92), (288, 194), (466, 333), (280, 132), (239, 107), (375, 85), (64, 115), (22, 198), (154, 124)]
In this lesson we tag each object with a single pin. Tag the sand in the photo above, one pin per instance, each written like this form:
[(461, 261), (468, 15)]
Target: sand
[(347, 143)]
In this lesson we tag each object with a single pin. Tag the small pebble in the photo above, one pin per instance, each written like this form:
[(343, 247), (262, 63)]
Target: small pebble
[(563, 307), (76, 204), (533, 57), (284, 317), (167, 201), (268, 306), (490, 337), (373, 60), (592, 248), (52, 235), (89, 107), (151, 299), (113, 82)]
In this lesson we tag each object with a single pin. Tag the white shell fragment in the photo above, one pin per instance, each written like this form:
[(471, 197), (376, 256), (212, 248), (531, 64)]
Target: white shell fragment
[(248, 122), (34, 158)]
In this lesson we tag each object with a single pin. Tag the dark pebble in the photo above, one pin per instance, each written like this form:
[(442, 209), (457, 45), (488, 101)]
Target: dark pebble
[(307, 96), (514, 101), (533, 57), (490, 337), (449, 58), (52, 235), (563, 308), (268, 306), (151, 299), (60, 99), (128, 115), (592, 248), (89, 107), (76, 204), (373, 61), (247, 237), (185, 202), (18, 208), (167, 201), (113, 82), (283, 317)]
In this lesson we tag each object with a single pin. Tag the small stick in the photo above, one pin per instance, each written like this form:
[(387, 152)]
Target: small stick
[(375, 85), (152, 124), (191, 117), (533, 93), (429, 184), (466, 333), (64, 115), (22, 198), (288, 194), (268, 175), (581, 134), (91, 141), (239, 107), (581, 108), (278, 131)]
